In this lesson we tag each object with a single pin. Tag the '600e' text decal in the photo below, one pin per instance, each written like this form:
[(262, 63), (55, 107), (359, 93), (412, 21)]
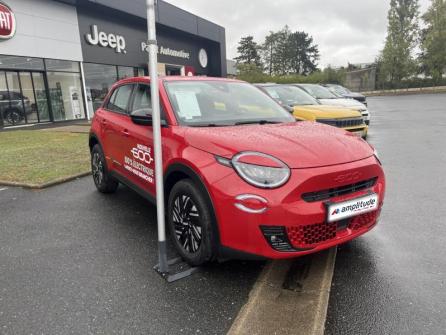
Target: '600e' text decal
[(139, 162)]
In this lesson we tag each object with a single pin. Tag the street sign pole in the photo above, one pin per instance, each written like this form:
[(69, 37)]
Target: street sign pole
[(163, 266)]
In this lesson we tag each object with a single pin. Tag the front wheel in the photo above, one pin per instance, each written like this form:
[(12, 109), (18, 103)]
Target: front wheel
[(190, 223), (13, 116)]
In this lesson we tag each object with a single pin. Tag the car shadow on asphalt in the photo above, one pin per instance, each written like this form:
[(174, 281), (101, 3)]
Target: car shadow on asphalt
[(142, 217)]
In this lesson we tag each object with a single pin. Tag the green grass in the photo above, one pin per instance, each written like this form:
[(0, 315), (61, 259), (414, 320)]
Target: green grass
[(38, 157)]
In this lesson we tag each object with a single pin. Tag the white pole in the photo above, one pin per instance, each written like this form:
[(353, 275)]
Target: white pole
[(84, 88), (157, 148)]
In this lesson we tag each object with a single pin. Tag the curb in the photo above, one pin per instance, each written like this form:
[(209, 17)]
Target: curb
[(45, 185), (289, 297), (409, 91)]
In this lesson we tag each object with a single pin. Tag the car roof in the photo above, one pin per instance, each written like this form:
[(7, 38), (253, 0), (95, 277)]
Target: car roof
[(265, 84), (273, 84), (175, 78)]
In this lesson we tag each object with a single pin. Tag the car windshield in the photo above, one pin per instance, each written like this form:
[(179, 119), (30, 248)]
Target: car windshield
[(290, 95), (338, 89), (319, 92), (222, 103)]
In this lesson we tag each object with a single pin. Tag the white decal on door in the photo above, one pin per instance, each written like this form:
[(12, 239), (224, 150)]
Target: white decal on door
[(141, 157)]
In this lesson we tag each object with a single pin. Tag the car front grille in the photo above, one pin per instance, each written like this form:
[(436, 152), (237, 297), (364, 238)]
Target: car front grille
[(363, 220), (310, 236), (343, 123), (337, 191)]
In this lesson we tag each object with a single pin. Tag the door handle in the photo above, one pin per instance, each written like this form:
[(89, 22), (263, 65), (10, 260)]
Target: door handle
[(126, 133)]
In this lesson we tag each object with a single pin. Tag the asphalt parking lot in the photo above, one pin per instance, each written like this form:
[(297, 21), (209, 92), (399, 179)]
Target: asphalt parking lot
[(73, 261), (392, 281)]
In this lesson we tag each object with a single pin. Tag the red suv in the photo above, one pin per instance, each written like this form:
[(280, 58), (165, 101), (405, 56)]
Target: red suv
[(242, 177)]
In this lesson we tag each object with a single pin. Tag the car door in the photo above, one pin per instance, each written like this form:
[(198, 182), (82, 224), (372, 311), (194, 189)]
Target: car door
[(139, 160), (115, 122)]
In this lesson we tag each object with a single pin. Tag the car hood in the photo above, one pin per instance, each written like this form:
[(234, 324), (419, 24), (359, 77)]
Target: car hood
[(343, 102), (299, 144), (326, 112), (354, 95)]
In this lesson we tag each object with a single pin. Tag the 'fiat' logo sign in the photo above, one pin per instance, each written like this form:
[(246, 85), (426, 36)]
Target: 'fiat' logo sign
[(7, 22)]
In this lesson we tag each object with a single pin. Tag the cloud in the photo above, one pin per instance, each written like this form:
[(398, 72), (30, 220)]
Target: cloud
[(345, 30)]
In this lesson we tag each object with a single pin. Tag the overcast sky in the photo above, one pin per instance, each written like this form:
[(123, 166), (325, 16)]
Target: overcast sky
[(345, 30)]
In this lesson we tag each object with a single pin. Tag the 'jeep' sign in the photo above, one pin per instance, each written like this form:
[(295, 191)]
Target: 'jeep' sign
[(7, 22), (115, 42)]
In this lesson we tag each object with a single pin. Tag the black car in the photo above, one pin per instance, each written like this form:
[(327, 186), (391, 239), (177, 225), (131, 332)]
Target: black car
[(13, 106), (346, 93)]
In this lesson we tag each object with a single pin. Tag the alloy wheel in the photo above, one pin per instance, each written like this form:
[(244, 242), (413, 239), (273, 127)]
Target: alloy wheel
[(13, 117), (97, 169), (186, 219)]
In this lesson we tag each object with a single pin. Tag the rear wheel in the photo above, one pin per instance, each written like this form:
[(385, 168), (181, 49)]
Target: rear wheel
[(190, 223), (104, 182)]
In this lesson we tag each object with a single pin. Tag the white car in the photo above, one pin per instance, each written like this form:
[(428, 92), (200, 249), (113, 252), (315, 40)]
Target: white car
[(326, 97)]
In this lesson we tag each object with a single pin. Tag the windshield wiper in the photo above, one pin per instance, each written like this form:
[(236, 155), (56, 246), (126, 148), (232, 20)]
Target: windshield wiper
[(208, 125), (256, 122)]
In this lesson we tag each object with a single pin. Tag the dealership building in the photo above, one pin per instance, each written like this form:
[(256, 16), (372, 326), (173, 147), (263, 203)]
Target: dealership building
[(59, 58)]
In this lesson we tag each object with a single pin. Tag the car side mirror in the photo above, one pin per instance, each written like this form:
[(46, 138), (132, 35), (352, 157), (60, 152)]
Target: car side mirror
[(143, 117)]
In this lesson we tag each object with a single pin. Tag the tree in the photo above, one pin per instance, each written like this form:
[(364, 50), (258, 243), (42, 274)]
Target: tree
[(303, 54), (285, 52), (282, 60), (269, 52), (250, 73), (433, 40), (248, 51), (402, 30)]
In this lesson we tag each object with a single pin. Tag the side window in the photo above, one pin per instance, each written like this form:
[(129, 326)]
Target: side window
[(120, 99), (142, 104)]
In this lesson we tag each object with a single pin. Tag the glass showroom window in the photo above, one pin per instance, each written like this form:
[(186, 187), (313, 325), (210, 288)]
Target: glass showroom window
[(126, 72), (65, 91), (98, 80), (21, 63), (61, 65)]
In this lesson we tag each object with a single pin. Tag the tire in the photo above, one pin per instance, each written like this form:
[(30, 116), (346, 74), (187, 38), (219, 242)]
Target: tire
[(13, 116), (104, 182), (190, 223)]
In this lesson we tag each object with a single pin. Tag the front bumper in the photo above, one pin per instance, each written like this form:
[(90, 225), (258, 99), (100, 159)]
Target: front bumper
[(288, 212)]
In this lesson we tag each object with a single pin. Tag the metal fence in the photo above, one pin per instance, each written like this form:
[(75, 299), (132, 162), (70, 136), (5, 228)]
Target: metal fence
[(361, 79)]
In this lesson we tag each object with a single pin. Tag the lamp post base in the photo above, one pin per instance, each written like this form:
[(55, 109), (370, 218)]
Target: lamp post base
[(178, 269)]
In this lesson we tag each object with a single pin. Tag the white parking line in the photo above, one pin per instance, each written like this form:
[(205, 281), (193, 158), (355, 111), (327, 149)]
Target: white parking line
[(3, 189)]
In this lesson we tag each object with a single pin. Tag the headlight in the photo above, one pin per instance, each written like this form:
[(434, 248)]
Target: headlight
[(375, 153), (271, 173)]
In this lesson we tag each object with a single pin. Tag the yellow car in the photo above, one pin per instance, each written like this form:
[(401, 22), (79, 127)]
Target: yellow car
[(305, 107)]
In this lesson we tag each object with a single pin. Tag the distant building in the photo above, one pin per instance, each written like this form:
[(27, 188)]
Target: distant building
[(361, 77), (231, 66)]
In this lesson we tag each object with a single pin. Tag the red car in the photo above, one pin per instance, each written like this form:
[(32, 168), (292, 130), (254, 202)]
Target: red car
[(242, 177)]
